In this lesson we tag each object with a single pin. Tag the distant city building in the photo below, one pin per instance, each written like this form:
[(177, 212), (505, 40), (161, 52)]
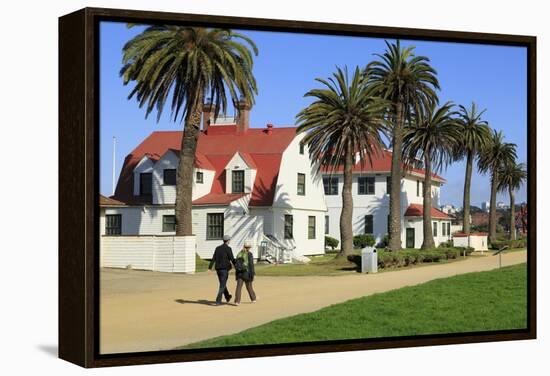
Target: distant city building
[(502, 205), (450, 209), (485, 206)]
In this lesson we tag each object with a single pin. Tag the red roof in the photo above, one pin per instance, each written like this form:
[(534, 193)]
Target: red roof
[(380, 164), (214, 150), (109, 202), (417, 210), (218, 198)]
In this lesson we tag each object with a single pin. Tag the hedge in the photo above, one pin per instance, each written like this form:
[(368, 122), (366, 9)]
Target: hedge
[(388, 259), (519, 243), (331, 242), (362, 241)]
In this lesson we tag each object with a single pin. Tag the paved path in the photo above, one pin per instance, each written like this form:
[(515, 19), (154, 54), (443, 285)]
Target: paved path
[(148, 311)]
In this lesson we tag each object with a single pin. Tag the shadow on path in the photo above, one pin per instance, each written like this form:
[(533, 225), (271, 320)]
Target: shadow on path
[(200, 301)]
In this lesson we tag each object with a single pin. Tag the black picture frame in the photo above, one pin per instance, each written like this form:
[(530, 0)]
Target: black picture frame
[(79, 186)]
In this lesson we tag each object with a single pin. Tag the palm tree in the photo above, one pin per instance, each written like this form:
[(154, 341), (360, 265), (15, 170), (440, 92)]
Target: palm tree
[(496, 154), (431, 137), (183, 65), (511, 177), (344, 121), (409, 82), (474, 136)]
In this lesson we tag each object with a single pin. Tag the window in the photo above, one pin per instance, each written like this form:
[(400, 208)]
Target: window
[(331, 186), (388, 185), (214, 226), (421, 188), (366, 185), (146, 184), (168, 223), (369, 224), (289, 234), (434, 224), (443, 229), (327, 223), (301, 184), (237, 181), (113, 224), (388, 225), (199, 177), (448, 228), (169, 177), (311, 227), (418, 188), (302, 149)]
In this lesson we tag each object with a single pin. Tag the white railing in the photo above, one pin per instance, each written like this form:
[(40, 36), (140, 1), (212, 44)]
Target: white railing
[(272, 251)]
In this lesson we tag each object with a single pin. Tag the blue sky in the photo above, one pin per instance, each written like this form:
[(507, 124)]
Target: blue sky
[(495, 77)]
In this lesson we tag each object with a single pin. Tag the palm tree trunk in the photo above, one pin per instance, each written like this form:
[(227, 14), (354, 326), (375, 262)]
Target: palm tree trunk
[(396, 171), (346, 229), (493, 209), (466, 201), (428, 241), (512, 215), (184, 182)]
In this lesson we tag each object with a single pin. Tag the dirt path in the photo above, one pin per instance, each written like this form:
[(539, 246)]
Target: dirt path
[(148, 311)]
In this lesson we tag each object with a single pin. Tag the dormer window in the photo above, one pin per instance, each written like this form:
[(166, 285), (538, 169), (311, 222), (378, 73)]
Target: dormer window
[(146, 184), (302, 149), (169, 177), (199, 177), (237, 181)]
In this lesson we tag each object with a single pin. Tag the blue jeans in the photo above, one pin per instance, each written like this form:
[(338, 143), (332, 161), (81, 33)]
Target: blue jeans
[(223, 274)]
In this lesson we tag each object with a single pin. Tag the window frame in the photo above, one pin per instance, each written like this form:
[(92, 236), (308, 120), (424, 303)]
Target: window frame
[(328, 187), (434, 229), (210, 227), (288, 227), (165, 223), (164, 176), (327, 224), (302, 149), (371, 217), (141, 184), (233, 184), (303, 193), (311, 228), (109, 228), (201, 180), (366, 185)]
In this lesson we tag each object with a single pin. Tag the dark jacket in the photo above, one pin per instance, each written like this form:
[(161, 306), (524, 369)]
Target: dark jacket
[(248, 275), (223, 258)]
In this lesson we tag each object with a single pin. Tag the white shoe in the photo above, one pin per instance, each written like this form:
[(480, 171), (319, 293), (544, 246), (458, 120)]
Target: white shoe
[(253, 301), (236, 303)]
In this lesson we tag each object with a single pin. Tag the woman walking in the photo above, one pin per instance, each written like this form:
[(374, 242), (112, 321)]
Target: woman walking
[(244, 271)]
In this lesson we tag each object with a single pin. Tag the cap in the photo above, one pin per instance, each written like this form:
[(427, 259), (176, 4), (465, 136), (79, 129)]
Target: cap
[(226, 238)]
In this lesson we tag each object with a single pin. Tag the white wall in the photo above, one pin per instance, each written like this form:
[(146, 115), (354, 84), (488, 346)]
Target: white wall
[(416, 223), (157, 253), (300, 244), (292, 163)]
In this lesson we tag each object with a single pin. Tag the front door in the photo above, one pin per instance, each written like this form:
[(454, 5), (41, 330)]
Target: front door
[(410, 238)]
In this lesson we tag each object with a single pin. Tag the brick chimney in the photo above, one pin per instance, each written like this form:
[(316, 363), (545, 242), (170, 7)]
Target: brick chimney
[(269, 128), (207, 112), (243, 120)]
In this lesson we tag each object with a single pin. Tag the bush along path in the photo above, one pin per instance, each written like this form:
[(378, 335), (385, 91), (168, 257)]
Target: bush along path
[(482, 301)]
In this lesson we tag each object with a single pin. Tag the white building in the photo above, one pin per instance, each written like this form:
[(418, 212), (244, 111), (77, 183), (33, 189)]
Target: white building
[(253, 184), (370, 189), (485, 206)]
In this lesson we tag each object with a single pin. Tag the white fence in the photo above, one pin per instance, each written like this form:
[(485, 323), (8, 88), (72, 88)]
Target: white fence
[(147, 252)]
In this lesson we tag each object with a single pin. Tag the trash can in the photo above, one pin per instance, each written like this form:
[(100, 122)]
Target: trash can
[(369, 260)]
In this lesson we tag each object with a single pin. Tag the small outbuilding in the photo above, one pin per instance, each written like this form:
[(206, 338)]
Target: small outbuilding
[(476, 240)]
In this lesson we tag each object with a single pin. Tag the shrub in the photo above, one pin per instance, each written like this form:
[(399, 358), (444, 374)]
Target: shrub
[(362, 241), (461, 250), (518, 243), (331, 242), (447, 244)]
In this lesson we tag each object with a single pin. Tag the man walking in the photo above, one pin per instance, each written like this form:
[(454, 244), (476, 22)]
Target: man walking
[(223, 258)]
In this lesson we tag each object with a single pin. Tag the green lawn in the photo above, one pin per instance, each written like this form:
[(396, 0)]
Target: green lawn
[(483, 301), (200, 264)]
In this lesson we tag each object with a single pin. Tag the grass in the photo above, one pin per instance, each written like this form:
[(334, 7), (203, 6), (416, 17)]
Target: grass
[(482, 301), (330, 265), (200, 264)]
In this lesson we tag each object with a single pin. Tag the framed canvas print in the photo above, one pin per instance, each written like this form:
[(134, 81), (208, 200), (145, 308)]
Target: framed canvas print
[(234, 187)]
